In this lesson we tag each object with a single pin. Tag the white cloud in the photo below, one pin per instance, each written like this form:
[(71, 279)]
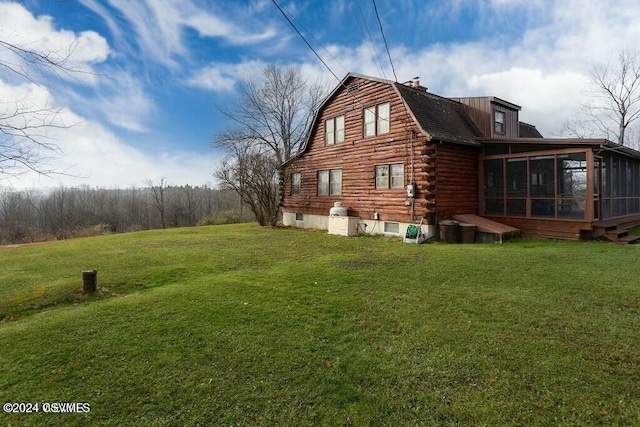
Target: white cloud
[(93, 155), (160, 26), (78, 51), (222, 77), (89, 153), (544, 68)]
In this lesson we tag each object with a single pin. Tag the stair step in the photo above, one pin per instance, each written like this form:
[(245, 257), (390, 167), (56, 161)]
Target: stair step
[(618, 233), (629, 240)]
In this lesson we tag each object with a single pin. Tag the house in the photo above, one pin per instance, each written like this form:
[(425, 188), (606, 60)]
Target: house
[(393, 154)]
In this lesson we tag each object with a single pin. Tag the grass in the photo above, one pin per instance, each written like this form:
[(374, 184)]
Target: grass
[(241, 325)]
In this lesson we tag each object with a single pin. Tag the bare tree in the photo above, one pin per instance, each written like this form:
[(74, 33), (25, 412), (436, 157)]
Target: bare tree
[(25, 140), (272, 119), (252, 172), (614, 102), (159, 200)]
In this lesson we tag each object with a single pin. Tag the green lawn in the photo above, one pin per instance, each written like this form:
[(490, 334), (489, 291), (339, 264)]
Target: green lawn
[(241, 325)]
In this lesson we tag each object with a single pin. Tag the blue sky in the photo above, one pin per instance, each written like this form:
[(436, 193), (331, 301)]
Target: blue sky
[(157, 69)]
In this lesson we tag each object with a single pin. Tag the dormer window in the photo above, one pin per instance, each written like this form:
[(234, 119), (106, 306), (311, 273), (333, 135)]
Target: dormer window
[(499, 117)]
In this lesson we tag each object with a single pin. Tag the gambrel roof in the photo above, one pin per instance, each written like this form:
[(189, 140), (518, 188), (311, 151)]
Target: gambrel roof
[(437, 117), (440, 118)]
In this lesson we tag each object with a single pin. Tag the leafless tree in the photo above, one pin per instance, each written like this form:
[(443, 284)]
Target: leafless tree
[(159, 201), (614, 102), (252, 172), (26, 142), (271, 122)]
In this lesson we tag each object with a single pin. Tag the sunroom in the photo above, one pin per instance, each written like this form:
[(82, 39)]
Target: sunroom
[(560, 188)]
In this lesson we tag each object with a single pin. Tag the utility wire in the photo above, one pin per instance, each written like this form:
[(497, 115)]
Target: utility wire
[(370, 45), (385, 40), (320, 58), (305, 40), (301, 25)]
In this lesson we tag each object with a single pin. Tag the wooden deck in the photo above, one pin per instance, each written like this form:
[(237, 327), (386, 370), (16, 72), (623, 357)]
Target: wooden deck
[(488, 226)]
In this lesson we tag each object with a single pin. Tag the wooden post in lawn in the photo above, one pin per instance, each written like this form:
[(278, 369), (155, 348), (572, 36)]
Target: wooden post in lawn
[(89, 281)]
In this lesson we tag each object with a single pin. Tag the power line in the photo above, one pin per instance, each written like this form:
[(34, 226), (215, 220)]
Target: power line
[(321, 60), (371, 45), (318, 42), (304, 39), (385, 40)]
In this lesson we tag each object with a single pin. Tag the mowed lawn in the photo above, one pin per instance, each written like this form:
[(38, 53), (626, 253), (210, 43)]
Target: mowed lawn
[(242, 325)]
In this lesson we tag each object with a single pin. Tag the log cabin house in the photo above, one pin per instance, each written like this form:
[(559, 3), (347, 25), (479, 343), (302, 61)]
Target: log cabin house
[(394, 154)]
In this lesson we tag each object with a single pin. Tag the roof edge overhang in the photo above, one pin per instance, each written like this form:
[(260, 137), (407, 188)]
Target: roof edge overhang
[(593, 143), (410, 112)]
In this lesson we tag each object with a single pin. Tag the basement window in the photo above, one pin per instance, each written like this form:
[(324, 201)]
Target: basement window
[(391, 227), (299, 217)]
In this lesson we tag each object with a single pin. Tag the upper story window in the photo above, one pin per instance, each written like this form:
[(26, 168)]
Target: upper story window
[(330, 182), (296, 180), (498, 121), (390, 176), (376, 119), (334, 130)]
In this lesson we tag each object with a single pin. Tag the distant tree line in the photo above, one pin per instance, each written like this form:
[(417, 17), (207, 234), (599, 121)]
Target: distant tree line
[(31, 215)]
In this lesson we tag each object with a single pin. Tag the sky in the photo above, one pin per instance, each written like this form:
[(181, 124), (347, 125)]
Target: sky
[(151, 76)]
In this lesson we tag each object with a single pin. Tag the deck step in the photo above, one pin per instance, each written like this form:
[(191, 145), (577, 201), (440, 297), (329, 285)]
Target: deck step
[(617, 233), (629, 240)]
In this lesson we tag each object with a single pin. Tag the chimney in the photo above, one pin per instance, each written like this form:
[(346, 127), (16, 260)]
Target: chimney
[(415, 83)]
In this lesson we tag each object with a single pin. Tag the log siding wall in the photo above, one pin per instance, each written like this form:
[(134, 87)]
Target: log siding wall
[(456, 180), (357, 156)]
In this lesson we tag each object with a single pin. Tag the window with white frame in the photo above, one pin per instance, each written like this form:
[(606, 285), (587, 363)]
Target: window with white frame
[(390, 176), (397, 175), (334, 130), (330, 182), (335, 181), (296, 180), (376, 119)]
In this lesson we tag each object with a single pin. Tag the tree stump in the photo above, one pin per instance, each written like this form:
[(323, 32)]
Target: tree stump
[(89, 281)]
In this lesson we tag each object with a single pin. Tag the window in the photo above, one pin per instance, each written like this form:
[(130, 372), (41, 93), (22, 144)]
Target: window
[(299, 217), (397, 176), (382, 176), (295, 183), (499, 121), (392, 227), (323, 183), (335, 181), (390, 176), (340, 129), (376, 119), (334, 130), (330, 182)]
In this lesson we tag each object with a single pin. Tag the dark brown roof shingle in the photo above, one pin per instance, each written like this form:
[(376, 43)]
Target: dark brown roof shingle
[(442, 118)]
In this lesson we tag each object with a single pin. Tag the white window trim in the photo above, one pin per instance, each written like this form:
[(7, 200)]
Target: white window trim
[(334, 130), (330, 182), (389, 177), (373, 121)]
